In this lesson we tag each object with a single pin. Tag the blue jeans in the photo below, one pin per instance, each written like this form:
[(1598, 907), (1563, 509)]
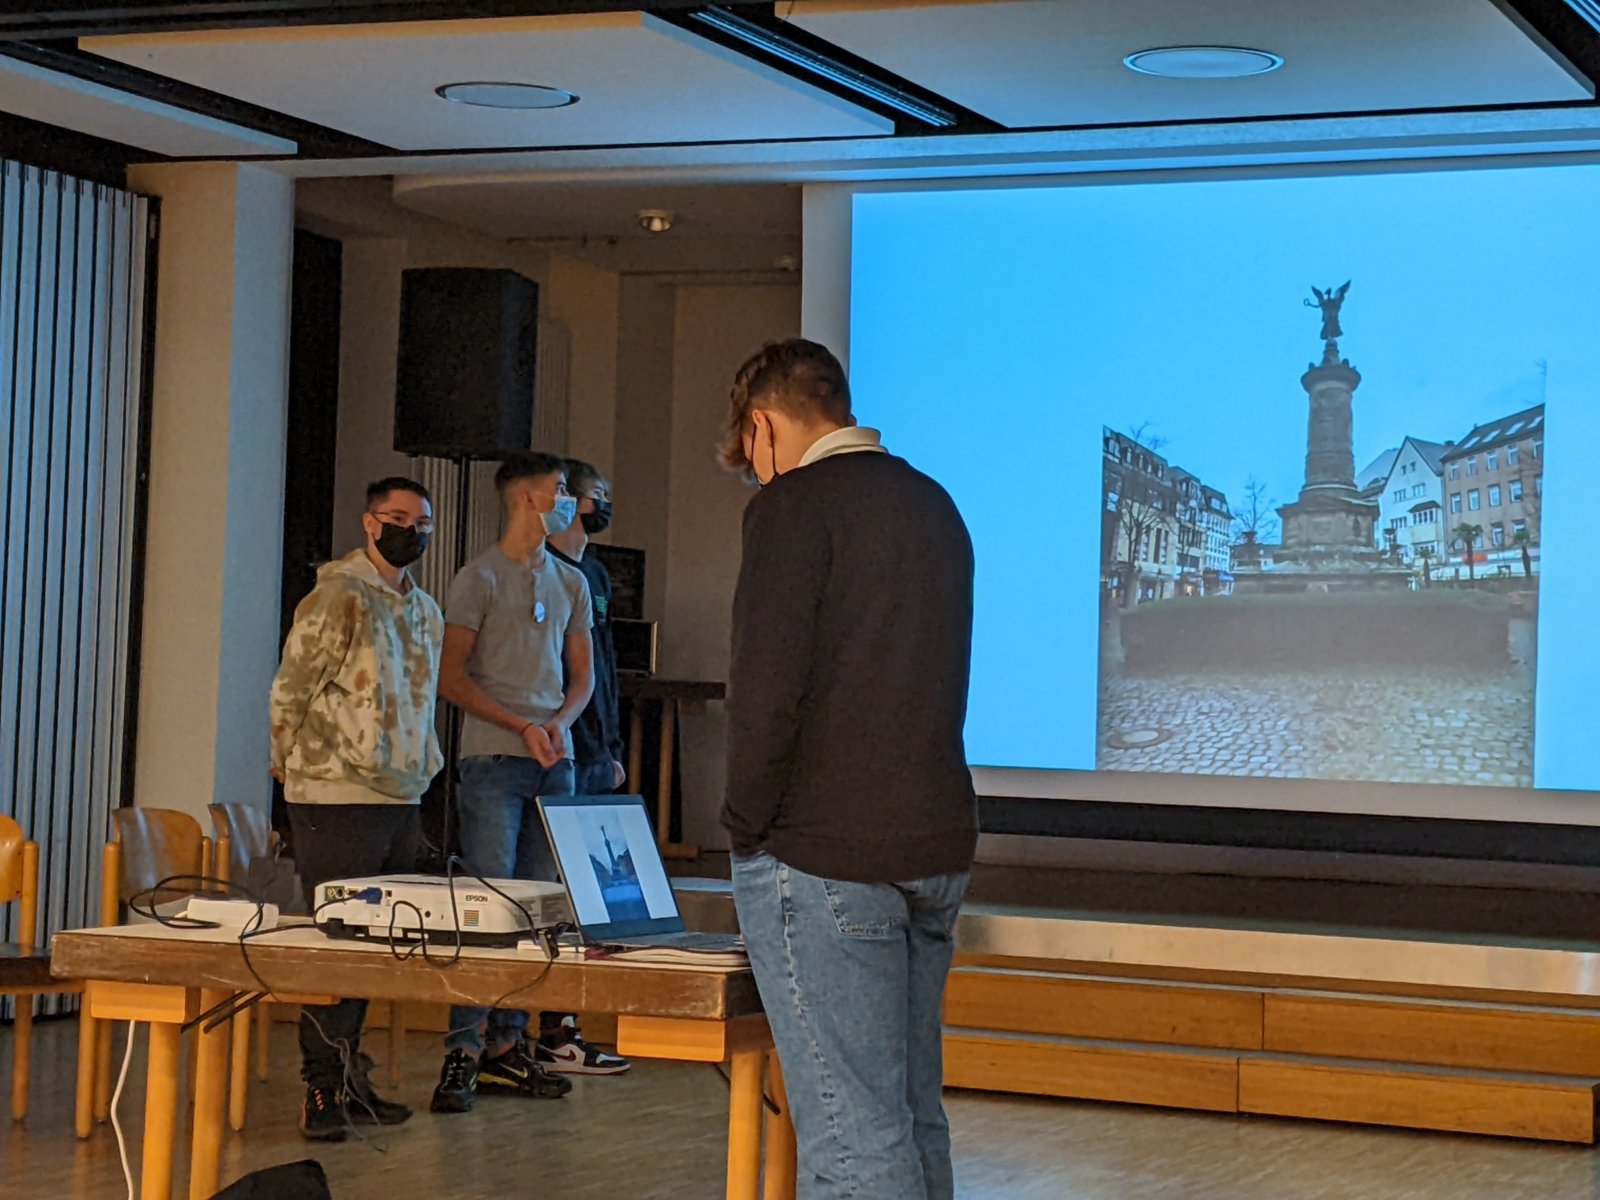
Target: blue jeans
[(595, 779), (852, 977), (503, 838)]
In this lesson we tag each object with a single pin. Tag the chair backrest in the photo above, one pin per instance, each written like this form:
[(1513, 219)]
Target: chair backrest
[(156, 843), (247, 829), (19, 880), (11, 842)]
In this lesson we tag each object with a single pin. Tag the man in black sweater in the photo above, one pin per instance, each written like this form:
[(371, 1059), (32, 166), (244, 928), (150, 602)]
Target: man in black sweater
[(849, 805)]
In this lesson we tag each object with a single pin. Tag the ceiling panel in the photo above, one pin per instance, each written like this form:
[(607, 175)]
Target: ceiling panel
[(639, 81), (1044, 63), (71, 103), (513, 206)]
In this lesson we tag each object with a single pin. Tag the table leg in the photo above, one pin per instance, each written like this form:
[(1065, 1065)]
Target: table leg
[(744, 1124), (210, 1101), (397, 1043), (239, 1071), (669, 726), (102, 1070), (160, 1111), (779, 1176), (263, 1039), (88, 1047)]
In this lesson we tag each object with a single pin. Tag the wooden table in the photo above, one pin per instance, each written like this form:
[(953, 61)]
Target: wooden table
[(676, 698), (169, 977)]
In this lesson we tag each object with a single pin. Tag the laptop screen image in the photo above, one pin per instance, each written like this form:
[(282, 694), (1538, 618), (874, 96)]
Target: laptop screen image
[(607, 854)]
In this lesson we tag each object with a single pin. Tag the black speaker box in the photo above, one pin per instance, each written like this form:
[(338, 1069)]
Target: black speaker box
[(464, 388)]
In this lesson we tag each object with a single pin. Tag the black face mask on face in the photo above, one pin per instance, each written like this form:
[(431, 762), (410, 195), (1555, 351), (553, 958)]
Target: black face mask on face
[(401, 545), (599, 520)]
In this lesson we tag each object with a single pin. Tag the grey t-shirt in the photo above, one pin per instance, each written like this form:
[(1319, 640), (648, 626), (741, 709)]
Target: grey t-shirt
[(521, 616)]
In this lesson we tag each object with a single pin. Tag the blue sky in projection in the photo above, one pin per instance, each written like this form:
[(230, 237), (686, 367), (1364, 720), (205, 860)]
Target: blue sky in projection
[(995, 331)]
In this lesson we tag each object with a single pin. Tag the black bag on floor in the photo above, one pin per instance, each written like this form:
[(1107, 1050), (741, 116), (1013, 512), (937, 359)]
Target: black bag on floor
[(301, 1180)]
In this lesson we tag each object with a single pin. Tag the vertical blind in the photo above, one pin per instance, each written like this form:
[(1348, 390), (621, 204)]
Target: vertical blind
[(73, 262)]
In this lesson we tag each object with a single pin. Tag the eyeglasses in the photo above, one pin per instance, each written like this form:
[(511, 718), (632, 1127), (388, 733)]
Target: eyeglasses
[(404, 521)]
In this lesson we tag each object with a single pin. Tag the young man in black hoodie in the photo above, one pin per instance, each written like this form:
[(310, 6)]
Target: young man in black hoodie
[(849, 806)]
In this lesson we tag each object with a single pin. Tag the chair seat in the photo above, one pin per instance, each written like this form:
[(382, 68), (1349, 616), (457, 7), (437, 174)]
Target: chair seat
[(25, 969)]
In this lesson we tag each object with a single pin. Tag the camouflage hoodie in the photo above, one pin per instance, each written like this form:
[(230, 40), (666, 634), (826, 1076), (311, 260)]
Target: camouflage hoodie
[(352, 704)]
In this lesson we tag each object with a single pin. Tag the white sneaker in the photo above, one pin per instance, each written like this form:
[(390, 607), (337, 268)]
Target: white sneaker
[(566, 1053)]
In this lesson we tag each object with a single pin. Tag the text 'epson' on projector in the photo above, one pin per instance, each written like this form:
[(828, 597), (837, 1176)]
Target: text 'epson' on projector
[(418, 907)]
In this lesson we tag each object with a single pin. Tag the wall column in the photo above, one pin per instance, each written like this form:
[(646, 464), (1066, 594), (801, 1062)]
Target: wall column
[(214, 538)]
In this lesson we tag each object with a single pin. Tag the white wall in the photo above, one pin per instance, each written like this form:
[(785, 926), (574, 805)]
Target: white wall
[(825, 305), (210, 629), (715, 329)]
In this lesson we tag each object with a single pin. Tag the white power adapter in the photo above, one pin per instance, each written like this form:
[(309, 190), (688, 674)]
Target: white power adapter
[(231, 914)]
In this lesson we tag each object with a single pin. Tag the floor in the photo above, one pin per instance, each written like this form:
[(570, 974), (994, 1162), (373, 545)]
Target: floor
[(657, 1134)]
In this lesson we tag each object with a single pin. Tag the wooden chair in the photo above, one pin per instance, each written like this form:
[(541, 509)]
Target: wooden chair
[(244, 834), (24, 969), (147, 845)]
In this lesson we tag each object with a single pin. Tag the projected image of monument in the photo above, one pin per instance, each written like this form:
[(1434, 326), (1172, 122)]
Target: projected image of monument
[(611, 860), (1378, 626)]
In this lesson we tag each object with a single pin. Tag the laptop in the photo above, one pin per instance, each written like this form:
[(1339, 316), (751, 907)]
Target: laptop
[(612, 870)]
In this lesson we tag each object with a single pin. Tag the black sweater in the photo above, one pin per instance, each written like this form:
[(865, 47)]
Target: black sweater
[(852, 633), (597, 733)]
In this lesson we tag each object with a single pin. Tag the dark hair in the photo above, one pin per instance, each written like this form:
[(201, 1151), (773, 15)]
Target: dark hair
[(797, 377), (378, 492), (527, 464), (582, 476)]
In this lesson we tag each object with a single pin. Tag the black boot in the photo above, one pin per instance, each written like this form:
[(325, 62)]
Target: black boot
[(322, 1115)]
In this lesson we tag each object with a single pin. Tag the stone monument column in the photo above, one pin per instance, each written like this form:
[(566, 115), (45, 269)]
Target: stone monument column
[(1330, 455)]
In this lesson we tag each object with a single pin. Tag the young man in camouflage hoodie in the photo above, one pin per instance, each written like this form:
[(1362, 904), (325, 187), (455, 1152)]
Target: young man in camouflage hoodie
[(353, 743)]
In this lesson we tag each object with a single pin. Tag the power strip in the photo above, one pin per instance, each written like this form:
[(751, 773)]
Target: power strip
[(232, 914)]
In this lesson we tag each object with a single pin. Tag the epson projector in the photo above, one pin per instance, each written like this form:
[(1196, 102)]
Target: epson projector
[(417, 908)]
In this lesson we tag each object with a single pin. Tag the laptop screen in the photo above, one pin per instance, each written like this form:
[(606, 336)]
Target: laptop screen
[(611, 866)]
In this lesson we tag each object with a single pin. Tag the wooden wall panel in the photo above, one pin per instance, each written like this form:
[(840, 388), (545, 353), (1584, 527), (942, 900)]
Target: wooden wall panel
[(1132, 1075), (1094, 1008), (1444, 1035), (1548, 1109)]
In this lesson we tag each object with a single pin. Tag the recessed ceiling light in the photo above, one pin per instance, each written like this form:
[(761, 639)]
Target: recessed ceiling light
[(655, 220), (1202, 62), (506, 95)]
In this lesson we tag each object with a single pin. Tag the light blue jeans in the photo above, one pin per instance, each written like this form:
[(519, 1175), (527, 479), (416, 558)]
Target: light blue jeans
[(503, 838), (852, 977)]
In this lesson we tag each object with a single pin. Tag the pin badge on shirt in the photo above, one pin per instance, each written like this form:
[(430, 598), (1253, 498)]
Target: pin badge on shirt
[(538, 611)]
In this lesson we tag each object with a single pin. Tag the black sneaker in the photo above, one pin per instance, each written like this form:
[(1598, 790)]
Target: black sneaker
[(518, 1073), (365, 1106), (322, 1115), (458, 1079)]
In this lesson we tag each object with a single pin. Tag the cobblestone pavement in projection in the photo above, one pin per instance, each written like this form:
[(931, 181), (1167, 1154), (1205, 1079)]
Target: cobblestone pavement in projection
[(1405, 727)]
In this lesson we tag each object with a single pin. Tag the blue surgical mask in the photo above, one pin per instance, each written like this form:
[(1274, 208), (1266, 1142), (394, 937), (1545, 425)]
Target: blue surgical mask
[(561, 516)]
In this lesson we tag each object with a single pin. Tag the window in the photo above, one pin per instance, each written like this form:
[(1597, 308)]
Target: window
[(1518, 528), (1472, 464), (1474, 501), (1497, 534), (1418, 490), (1538, 485), (1516, 490), (1511, 455), (1455, 470), (1494, 495), (1491, 461), (1399, 495), (1111, 501), (1458, 545), (1538, 447), (1455, 502)]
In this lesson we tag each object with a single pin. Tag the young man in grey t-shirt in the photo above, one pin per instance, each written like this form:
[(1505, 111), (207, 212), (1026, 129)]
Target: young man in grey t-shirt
[(516, 625)]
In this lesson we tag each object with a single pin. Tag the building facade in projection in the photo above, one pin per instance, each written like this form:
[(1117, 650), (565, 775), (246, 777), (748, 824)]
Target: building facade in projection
[(1494, 481)]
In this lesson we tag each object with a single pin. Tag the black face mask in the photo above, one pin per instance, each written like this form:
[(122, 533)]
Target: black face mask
[(599, 520), (401, 545)]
